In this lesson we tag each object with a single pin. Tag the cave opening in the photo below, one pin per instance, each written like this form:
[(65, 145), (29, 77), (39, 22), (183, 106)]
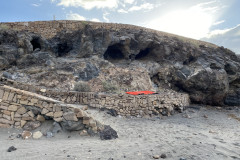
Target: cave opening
[(36, 43), (142, 54), (63, 49), (113, 53)]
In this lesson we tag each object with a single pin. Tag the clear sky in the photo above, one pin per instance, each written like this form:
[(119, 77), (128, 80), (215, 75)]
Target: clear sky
[(191, 18)]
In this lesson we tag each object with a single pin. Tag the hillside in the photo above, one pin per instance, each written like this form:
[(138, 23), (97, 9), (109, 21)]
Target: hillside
[(58, 54)]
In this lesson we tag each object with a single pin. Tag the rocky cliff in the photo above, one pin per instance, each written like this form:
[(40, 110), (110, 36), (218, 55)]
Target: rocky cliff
[(128, 58)]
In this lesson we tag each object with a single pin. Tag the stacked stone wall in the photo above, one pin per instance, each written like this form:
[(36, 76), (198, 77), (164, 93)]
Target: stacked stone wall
[(17, 107), (164, 103)]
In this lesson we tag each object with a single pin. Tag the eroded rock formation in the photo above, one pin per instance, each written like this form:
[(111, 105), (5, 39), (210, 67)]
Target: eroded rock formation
[(130, 59)]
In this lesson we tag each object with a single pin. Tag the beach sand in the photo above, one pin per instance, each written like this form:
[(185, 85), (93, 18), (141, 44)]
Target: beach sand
[(199, 133)]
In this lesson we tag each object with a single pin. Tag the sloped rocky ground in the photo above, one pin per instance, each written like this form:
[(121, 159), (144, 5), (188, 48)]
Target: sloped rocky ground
[(127, 59)]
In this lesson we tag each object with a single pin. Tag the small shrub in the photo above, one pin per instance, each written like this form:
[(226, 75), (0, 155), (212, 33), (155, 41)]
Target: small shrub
[(109, 87), (82, 87)]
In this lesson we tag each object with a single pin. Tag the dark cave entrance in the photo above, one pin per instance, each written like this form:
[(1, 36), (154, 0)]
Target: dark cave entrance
[(35, 43), (142, 54), (63, 49), (113, 53)]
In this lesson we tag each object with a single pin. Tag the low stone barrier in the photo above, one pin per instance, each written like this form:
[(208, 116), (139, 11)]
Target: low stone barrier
[(164, 103), (17, 107)]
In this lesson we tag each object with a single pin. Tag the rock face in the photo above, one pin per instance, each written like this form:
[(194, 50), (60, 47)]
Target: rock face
[(128, 59)]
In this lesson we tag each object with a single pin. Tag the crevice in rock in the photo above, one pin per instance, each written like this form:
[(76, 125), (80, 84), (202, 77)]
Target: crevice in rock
[(114, 52), (190, 59), (63, 49), (36, 43), (142, 54)]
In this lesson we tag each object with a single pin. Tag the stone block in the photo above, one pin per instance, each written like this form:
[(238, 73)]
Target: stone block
[(25, 115), (74, 99), (25, 102), (34, 100), (13, 108), (1, 93), (30, 113), (27, 118), (70, 116), (57, 114), (5, 121), (5, 96), (76, 110), (86, 122), (45, 104), (40, 118), (17, 119), (80, 114), (92, 123), (7, 117), (21, 110), (22, 123), (17, 115), (12, 116), (2, 107), (50, 114), (44, 111), (4, 125), (6, 112), (10, 96), (59, 119), (15, 98), (17, 123)]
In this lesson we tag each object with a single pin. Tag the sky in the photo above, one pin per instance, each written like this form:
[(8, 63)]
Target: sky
[(215, 21)]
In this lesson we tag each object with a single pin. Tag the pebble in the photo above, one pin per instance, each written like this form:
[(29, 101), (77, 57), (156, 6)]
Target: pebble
[(205, 116), (156, 156), (49, 134), (163, 156), (26, 134), (37, 135), (12, 148)]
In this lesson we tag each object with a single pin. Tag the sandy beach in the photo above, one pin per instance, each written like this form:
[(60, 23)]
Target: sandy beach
[(199, 133)]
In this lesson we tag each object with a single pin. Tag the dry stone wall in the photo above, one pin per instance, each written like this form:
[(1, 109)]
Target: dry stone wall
[(17, 107), (164, 103)]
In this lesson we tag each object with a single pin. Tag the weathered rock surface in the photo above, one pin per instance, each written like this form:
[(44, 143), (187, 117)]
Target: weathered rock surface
[(108, 133), (128, 59), (72, 125), (29, 126)]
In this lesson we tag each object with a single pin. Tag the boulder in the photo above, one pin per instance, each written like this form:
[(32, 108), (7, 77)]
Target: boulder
[(72, 125), (29, 126), (108, 133)]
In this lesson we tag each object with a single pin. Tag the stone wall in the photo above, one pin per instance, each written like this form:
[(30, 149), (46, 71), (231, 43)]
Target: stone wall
[(164, 103), (17, 107)]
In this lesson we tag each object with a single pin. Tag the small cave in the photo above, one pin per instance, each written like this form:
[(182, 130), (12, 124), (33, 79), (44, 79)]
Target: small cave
[(113, 52), (190, 59), (36, 43), (229, 69), (142, 54), (63, 49)]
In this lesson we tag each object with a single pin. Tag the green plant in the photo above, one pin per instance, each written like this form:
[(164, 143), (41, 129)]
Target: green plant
[(82, 87), (109, 87)]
